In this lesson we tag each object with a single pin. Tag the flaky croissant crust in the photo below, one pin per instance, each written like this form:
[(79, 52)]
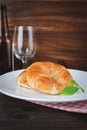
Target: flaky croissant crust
[(47, 77)]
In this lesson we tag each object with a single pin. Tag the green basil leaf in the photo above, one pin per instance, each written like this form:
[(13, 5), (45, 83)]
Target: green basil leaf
[(69, 90), (75, 84), (82, 89)]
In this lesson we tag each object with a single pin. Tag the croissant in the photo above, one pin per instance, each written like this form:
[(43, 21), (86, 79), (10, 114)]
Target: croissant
[(47, 77)]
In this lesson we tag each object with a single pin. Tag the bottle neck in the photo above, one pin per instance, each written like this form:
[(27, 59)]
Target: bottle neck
[(4, 22)]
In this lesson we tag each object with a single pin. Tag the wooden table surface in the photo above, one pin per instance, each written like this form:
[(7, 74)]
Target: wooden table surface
[(16, 114), (61, 36)]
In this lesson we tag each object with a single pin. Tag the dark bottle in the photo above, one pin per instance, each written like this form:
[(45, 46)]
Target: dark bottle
[(5, 42)]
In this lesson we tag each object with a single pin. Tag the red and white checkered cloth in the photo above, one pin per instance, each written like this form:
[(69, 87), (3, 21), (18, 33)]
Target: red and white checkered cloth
[(79, 107)]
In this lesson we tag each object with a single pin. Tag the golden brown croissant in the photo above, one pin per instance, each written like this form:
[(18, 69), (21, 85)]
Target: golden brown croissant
[(47, 77)]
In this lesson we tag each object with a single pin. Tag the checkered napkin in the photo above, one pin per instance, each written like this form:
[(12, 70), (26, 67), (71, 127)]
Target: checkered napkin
[(79, 107)]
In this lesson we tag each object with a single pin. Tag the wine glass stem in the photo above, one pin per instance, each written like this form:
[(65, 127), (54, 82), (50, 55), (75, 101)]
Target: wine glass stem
[(24, 62)]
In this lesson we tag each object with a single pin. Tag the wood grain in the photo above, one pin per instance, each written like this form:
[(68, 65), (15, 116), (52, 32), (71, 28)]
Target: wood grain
[(18, 114), (60, 28)]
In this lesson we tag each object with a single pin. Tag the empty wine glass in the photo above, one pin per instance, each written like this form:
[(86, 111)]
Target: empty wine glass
[(24, 43)]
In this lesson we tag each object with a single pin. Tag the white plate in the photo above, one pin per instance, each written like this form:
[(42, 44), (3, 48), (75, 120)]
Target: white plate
[(8, 86)]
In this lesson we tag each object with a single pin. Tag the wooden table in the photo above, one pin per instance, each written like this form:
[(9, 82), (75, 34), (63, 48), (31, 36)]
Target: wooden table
[(16, 114)]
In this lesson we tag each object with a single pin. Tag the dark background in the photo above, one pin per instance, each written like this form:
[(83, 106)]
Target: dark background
[(60, 28)]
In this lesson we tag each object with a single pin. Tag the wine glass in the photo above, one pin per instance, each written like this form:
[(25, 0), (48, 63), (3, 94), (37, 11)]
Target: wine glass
[(24, 43)]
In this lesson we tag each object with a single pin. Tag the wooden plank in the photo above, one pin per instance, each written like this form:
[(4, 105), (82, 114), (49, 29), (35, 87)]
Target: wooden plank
[(60, 29)]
